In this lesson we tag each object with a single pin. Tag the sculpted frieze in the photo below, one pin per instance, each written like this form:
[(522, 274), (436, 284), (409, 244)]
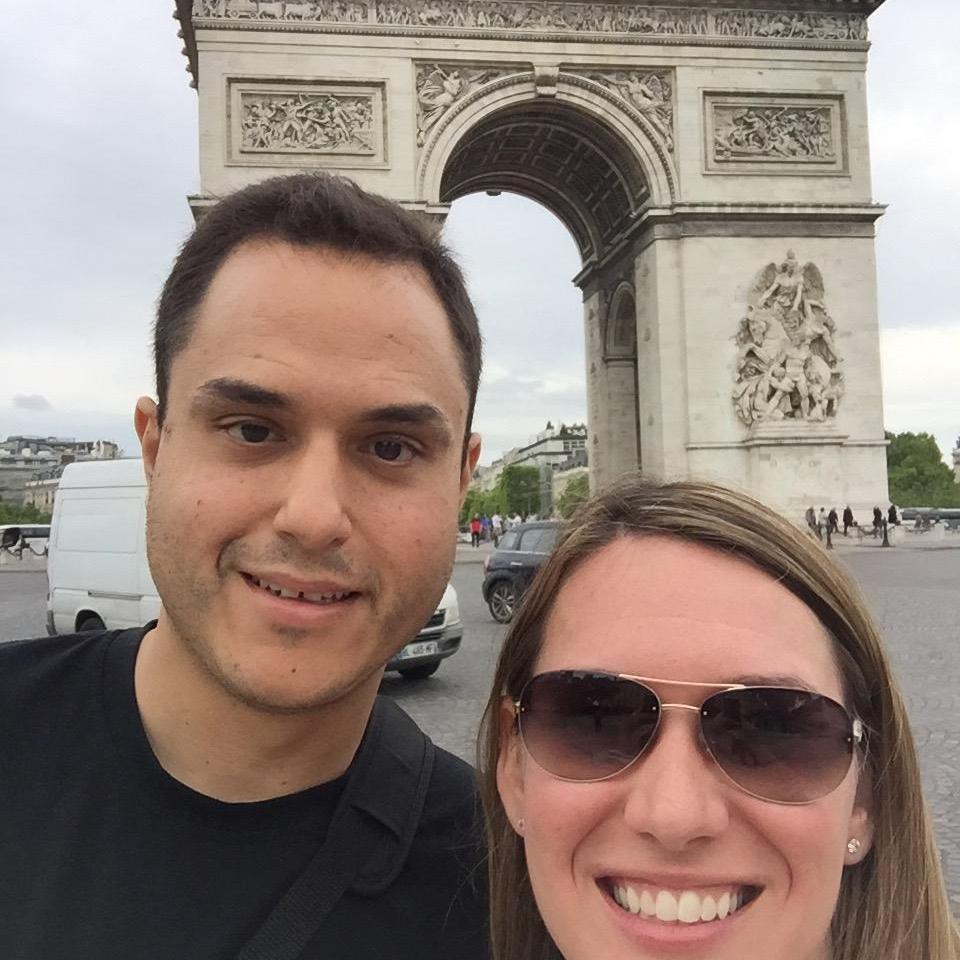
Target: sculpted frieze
[(324, 11), (307, 123), (440, 86), (790, 26), (796, 134), (651, 93), (787, 365), (537, 16)]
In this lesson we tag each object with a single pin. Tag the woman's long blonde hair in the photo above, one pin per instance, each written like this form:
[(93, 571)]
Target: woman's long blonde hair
[(893, 905)]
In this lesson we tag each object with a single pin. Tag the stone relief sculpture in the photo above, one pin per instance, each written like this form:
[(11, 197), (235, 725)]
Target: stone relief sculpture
[(790, 133), (438, 88), (790, 26), (650, 93), (550, 17), (787, 363), (306, 122)]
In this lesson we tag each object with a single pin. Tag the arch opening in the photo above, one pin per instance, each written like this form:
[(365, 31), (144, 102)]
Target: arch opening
[(561, 157)]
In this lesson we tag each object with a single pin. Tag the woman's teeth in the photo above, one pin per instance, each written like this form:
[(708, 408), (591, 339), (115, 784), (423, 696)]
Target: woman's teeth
[(687, 907)]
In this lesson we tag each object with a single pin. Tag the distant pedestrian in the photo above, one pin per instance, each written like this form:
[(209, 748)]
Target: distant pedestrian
[(811, 519), (847, 519), (892, 518), (877, 520), (475, 528), (496, 525), (821, 523), (833, 520), (485, 527)]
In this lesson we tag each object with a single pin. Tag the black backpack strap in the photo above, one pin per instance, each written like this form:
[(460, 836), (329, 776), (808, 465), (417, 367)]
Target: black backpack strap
[(369, 837)]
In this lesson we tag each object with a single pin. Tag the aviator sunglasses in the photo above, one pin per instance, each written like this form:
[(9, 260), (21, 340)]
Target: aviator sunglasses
[(779, 744)]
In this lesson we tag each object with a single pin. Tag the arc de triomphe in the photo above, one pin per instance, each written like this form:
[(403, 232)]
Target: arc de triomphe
[(709, 158)]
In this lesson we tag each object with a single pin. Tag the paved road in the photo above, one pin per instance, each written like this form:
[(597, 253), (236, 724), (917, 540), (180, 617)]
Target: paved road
[(915, 595)]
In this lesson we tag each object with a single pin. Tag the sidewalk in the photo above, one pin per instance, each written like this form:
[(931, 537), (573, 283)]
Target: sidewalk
[(29, 563), (468, 554), (902, 540)]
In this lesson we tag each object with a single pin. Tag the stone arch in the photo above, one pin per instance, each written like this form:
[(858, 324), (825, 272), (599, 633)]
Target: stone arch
[(604, 132)]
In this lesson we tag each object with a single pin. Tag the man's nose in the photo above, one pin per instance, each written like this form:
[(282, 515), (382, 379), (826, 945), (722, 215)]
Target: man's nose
[(676, 794), (317, 494)]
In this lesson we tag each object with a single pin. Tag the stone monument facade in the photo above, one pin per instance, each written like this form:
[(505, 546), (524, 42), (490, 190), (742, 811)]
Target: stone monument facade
[(709, 158)]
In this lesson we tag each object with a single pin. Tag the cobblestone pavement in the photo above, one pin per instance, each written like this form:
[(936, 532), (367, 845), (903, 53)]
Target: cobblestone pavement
[(915, 595)]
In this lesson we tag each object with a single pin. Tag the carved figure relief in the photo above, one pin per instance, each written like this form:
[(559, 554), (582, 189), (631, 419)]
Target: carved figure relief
[(790, 26), (787, 364), (650, 93), (801, 134), (545, 16), (326, 11), (798, 134), (305, 122), (439, 87), (295, 122)]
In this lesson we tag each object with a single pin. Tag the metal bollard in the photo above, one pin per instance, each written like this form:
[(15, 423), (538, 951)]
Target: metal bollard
[(886, 539)]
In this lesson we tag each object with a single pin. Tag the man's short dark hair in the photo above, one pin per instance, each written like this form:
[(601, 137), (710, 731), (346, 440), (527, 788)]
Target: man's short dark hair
[(311, 210)]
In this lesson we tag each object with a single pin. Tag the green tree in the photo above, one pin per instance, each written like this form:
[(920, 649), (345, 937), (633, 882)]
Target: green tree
[(17, 513), (519, 489), (916, 472), (574, 493)]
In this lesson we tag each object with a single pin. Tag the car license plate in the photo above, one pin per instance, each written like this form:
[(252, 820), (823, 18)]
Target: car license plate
[(425, 648)]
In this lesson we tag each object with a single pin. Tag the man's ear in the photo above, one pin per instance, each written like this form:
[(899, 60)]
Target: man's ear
[(146, 424), (510, 766), (469, 464)]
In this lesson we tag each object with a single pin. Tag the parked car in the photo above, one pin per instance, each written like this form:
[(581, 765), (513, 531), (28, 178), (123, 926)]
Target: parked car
[(440, 638), (509, 569), (99, 578)]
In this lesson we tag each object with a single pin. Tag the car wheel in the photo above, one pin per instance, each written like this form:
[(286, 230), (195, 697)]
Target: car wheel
[(420, 673), (90, 623), (502, 600)]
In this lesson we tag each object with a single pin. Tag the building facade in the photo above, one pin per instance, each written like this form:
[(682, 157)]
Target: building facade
[(711, 161), (30, 467)]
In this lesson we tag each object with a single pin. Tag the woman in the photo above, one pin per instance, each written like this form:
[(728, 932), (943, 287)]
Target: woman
[(695, 748)]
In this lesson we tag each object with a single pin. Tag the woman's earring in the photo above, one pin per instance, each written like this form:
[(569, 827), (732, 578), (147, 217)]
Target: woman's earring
[(853, 847), (521, 824)]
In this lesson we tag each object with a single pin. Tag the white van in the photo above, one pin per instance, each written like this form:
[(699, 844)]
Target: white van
[(97, 567), (98, 574)]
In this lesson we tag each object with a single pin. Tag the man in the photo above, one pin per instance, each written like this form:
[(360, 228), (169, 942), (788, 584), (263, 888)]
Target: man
[(163, 789), (496, 525), (847, 519)]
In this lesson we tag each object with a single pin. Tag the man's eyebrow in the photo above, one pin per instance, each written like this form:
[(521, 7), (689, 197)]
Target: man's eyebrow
[(231, 390), (409, 414)]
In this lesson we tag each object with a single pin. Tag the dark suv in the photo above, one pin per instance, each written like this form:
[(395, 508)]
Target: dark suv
[(509, 570)]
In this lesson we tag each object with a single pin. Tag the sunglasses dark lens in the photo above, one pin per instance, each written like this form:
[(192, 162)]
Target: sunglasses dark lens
[(586, 726), (789, 746)]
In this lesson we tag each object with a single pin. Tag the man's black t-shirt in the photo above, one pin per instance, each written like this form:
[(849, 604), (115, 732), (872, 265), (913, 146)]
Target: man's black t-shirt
[(103, 855)]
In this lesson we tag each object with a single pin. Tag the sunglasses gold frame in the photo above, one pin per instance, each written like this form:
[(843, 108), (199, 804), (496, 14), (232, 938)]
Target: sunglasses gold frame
[(856, 732)]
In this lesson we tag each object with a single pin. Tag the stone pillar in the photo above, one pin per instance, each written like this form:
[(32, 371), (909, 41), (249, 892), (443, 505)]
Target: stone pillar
[(599, 442), (623, 429)]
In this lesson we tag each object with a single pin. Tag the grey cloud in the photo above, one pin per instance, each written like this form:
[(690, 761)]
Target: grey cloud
[(31, 401)]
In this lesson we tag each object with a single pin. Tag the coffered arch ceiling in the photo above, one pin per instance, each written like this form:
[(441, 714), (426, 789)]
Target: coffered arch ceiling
[(559, 156)]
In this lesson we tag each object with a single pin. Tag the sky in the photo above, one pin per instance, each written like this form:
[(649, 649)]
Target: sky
[(100, 151)]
